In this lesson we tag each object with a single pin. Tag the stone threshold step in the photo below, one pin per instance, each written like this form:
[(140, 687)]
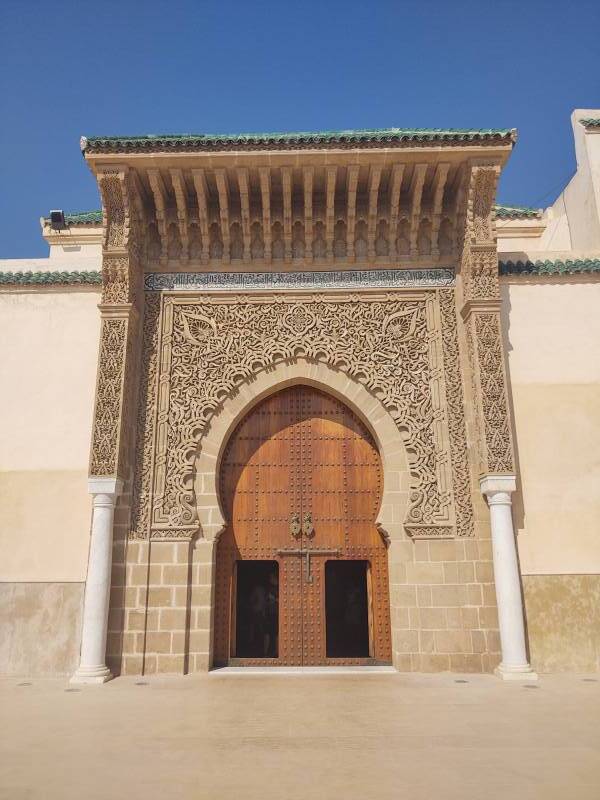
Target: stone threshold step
[(302, 670)]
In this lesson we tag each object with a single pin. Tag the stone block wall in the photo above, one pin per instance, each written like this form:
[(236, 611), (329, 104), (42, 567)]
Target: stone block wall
[(443, 606), (163, 624)]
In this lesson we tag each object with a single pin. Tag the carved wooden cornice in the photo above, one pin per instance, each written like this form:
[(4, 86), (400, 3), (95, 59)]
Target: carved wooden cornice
[(263, 209)]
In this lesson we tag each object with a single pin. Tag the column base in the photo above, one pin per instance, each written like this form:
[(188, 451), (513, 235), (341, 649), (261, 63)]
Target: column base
[(92, 675), (508, 673)]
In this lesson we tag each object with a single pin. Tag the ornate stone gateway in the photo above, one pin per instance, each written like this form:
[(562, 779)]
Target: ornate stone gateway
[(301, 485), (363, 267)]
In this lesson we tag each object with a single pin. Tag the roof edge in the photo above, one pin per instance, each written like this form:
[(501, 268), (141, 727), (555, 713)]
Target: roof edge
[(555, 267), (380, 137), (505, 268), (50, 278), (517, 212)]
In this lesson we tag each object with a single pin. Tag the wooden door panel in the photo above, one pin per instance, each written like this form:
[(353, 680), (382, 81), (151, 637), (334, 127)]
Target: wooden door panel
[(302, 451), (313, 601)]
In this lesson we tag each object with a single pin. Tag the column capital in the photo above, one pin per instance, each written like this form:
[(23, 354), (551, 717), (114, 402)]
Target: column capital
[(497, 484), (108, 486)]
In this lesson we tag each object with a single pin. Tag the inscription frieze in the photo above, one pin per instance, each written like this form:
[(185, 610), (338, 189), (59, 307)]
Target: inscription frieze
[(314, 279)]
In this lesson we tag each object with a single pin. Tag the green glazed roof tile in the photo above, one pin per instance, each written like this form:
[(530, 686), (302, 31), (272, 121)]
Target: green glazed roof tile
[(590, 122), (49, 278), (375, 136), (82, 217), (517, 212), (567, 267)]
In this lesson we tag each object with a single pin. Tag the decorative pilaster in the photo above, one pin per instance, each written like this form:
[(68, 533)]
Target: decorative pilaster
[(481, 315), (119, 310), (112, 437)]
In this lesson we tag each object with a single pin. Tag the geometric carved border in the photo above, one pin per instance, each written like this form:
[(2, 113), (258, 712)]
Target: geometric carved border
[(109, 397), (461, 474), (206, 347), (496, 442)]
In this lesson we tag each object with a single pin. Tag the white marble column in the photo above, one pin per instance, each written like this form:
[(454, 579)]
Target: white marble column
[(514, 665), (92, 666)]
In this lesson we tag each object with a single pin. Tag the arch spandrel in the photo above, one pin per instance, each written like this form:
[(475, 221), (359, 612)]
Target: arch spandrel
[(216, 350), (320, 376)]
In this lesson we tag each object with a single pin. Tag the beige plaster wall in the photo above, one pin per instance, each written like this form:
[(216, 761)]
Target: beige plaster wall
[(47, 375), (552, 332), (40, 625), (563, 622)]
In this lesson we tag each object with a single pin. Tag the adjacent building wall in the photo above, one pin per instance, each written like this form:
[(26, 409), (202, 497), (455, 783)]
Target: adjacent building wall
[(552, 330), (47, 375)]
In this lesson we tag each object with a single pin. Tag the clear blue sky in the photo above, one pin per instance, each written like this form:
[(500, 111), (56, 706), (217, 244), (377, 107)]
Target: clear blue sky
[(73, 68)]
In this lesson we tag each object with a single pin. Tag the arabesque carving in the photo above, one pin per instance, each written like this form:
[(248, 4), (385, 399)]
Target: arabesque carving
[(145, 414), (116, 282), (481, 276), (492, 390), (110, 184), (121, 297), (483, 191), (209, 347), (479, 262), (456, 415), (109, 397)]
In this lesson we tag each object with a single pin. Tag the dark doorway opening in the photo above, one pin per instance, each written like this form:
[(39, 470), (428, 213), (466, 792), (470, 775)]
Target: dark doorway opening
[(257, 609), (347, 609)]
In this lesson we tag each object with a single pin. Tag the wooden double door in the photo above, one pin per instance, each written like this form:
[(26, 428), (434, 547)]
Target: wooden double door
[(301, 570)]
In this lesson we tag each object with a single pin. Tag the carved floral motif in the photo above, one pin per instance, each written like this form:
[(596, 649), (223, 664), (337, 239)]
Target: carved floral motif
[(483, 193), (115, 275), (456, 415), (109, 396), (145, 415), (482, 275), (114, 208), (210, 347), (492, 388)]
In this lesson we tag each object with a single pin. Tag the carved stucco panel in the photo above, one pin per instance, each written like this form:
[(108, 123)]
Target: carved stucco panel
[(113, 200), (456, 414), (481, 274), (146, 412), (483, 194), (206, 348), (487, 348), (109, 397)]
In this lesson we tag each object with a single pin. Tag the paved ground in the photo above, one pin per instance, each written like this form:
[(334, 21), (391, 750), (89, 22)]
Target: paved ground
[(373, 736)]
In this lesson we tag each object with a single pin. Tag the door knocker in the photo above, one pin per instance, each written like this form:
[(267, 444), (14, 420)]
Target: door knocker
[(295, 526), (308, 529)]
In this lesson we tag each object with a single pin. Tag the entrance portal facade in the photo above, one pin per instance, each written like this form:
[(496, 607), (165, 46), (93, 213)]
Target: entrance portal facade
[(282, 527), (301, 485)]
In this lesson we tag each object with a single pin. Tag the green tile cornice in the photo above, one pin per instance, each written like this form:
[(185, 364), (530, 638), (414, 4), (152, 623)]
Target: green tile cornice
[(505, 268), (381, 137), (567, 267), (49, 278), (590, 122), (517, 212), (82, 217)]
